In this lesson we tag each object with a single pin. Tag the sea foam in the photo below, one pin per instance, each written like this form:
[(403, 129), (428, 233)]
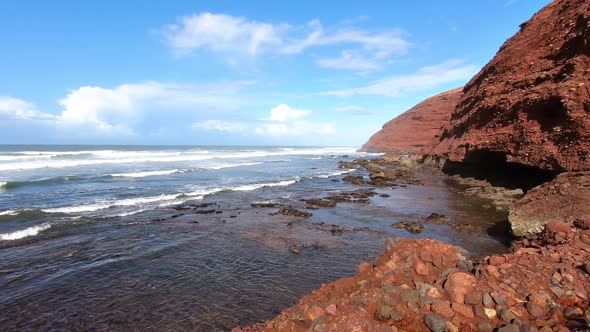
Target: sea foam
[(30, 231)]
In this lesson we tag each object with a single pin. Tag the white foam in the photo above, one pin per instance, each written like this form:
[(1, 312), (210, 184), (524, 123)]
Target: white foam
[(31, 231), (163, 200), (144, 174), (8, 213), (3, 184), (325, 176), (108, 204), (250, 187), (222, 166), (133, 157)]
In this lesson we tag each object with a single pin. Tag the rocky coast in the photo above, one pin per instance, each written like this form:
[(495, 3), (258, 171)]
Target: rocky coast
[(517, 136)]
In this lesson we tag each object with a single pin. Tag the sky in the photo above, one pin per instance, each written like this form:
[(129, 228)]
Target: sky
[(222, 72)]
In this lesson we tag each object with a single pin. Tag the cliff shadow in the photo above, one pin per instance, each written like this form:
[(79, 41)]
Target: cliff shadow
[(493, 167)]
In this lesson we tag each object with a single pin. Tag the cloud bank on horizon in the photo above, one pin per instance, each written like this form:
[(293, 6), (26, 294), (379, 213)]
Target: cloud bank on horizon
[(224, 78)]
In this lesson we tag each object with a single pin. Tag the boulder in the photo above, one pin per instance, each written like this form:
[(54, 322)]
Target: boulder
[(566, 198)]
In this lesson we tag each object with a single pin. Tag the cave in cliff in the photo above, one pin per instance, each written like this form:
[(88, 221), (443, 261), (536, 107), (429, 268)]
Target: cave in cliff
[(492, 166)]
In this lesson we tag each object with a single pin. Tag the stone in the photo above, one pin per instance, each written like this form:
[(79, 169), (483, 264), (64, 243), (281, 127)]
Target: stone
[(435, 323), (473, 298), (490, 312), (413, 227), (506, 315), (331, 310), (543, 205), (463, 309), (383, 313), (458, 284), (487, 300), (465, 265), (421, 268), (315, 312), (583, 222), (442, 308), (534, 309)]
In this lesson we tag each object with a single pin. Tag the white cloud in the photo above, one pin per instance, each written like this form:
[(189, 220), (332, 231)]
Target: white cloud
[(14, 108), (285, 121), (114, 110), (223, 33), (424, 78), (220, 125), (283, 113), (237, 35), (281, 121), (298, 128), (348, 60)]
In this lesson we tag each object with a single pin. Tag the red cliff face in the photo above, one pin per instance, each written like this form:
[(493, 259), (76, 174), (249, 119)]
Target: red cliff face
[(531, 103), (417, 127)]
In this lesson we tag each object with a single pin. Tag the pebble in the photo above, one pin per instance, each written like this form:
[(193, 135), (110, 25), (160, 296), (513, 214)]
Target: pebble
[(435, 323)]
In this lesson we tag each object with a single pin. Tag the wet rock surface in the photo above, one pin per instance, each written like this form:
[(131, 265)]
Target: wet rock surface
[(418, 285), (414, 227)]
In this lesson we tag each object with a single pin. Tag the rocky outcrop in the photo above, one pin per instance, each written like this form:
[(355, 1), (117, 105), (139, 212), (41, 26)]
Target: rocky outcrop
[(426, 285), (417, 127), (565, 198), (530, 105)]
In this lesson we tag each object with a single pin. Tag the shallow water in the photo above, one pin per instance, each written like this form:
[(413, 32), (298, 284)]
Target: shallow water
[(163, 269)]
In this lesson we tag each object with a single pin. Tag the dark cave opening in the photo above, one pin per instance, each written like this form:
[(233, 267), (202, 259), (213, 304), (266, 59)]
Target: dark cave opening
[(493, 167)]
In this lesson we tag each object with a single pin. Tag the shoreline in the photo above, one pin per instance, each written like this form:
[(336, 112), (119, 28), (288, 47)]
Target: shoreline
[(541, 284)]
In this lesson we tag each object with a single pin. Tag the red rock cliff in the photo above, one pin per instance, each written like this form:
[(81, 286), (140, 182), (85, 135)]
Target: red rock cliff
[(417, 127), (531, 102)]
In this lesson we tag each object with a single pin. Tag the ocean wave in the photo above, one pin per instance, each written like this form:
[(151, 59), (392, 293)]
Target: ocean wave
[(345, 171), (222, 166), (3, 184), (20, 234), (123, 157), (144, 174), (162, 200), (8, 213)]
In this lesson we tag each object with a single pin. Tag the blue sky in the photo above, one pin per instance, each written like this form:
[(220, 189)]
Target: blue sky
[(234, 72)]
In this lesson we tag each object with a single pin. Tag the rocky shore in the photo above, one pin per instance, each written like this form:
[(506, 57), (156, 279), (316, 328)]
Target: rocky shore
[(517, 136), (422, 285)]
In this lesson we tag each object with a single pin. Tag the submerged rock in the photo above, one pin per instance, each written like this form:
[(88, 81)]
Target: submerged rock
[(289, 211), (413, 227)]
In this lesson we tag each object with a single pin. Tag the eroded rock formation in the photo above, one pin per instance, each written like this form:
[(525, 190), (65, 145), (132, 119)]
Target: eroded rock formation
[(531, 103), (417, 127)]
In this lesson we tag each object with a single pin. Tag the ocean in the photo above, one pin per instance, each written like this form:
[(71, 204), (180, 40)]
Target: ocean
[(165, 238)]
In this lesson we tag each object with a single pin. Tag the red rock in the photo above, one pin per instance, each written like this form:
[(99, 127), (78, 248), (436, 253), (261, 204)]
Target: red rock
[(315, 312), (583, 222), (530, 103), (497, 260), (364, 266), (473, 298), (492, 271), (458, 285), (534, 309), (442, 308), (421, 268), (546, 203), (558, 227), (463, 309), (417, 127), (331, 310)]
